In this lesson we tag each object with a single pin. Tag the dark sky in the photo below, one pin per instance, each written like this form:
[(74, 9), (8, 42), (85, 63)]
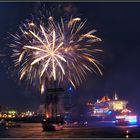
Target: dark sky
[(118, 25)]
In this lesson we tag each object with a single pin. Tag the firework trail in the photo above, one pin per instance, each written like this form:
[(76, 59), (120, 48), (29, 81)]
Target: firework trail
[(59, 50)]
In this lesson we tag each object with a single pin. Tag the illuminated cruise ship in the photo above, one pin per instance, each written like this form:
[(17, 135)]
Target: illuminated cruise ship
[(112, 109), (106, 107)]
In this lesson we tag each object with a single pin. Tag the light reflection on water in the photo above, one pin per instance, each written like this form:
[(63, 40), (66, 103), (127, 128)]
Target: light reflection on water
[(34, 130), (129, 126)]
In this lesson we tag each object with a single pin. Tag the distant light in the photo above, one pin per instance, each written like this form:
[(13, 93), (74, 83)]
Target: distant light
[(47, 115), (10, 116), (131, 119), (98, 101), (30, 114), (120, 117), (127, 136), (44, 120), (12, 112), (70, 88), (109, 112)]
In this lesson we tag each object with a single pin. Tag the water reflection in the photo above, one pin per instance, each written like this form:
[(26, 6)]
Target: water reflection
[(34, 130)]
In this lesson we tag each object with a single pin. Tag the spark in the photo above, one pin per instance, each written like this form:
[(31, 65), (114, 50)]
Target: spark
[(42, 87), (60, 51)]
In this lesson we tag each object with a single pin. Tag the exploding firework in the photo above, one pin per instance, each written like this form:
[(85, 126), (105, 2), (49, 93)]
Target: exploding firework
[(58, 51)]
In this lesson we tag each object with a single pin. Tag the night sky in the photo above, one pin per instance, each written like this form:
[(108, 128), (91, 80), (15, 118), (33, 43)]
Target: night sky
[(117, 24)]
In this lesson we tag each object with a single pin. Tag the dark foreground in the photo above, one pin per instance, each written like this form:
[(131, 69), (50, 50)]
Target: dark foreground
[(104, 130)]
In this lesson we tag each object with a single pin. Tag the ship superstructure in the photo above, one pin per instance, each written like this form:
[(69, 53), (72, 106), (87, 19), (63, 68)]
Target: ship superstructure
[(106, 107)]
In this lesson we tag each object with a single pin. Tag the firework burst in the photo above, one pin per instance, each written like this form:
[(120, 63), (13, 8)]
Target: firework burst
[(60, 51)]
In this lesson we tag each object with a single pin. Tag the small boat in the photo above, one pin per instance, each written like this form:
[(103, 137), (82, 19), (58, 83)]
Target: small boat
[(126, 120), (52, 124), (52, 127)]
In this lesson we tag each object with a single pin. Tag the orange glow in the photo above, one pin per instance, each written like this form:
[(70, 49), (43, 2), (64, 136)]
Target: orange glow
[(4, 115), (47, 115), (125, 111), (104, 99), (66, 50)]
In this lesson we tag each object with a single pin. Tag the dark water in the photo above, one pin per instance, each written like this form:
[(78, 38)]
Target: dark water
[(98, 130)]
